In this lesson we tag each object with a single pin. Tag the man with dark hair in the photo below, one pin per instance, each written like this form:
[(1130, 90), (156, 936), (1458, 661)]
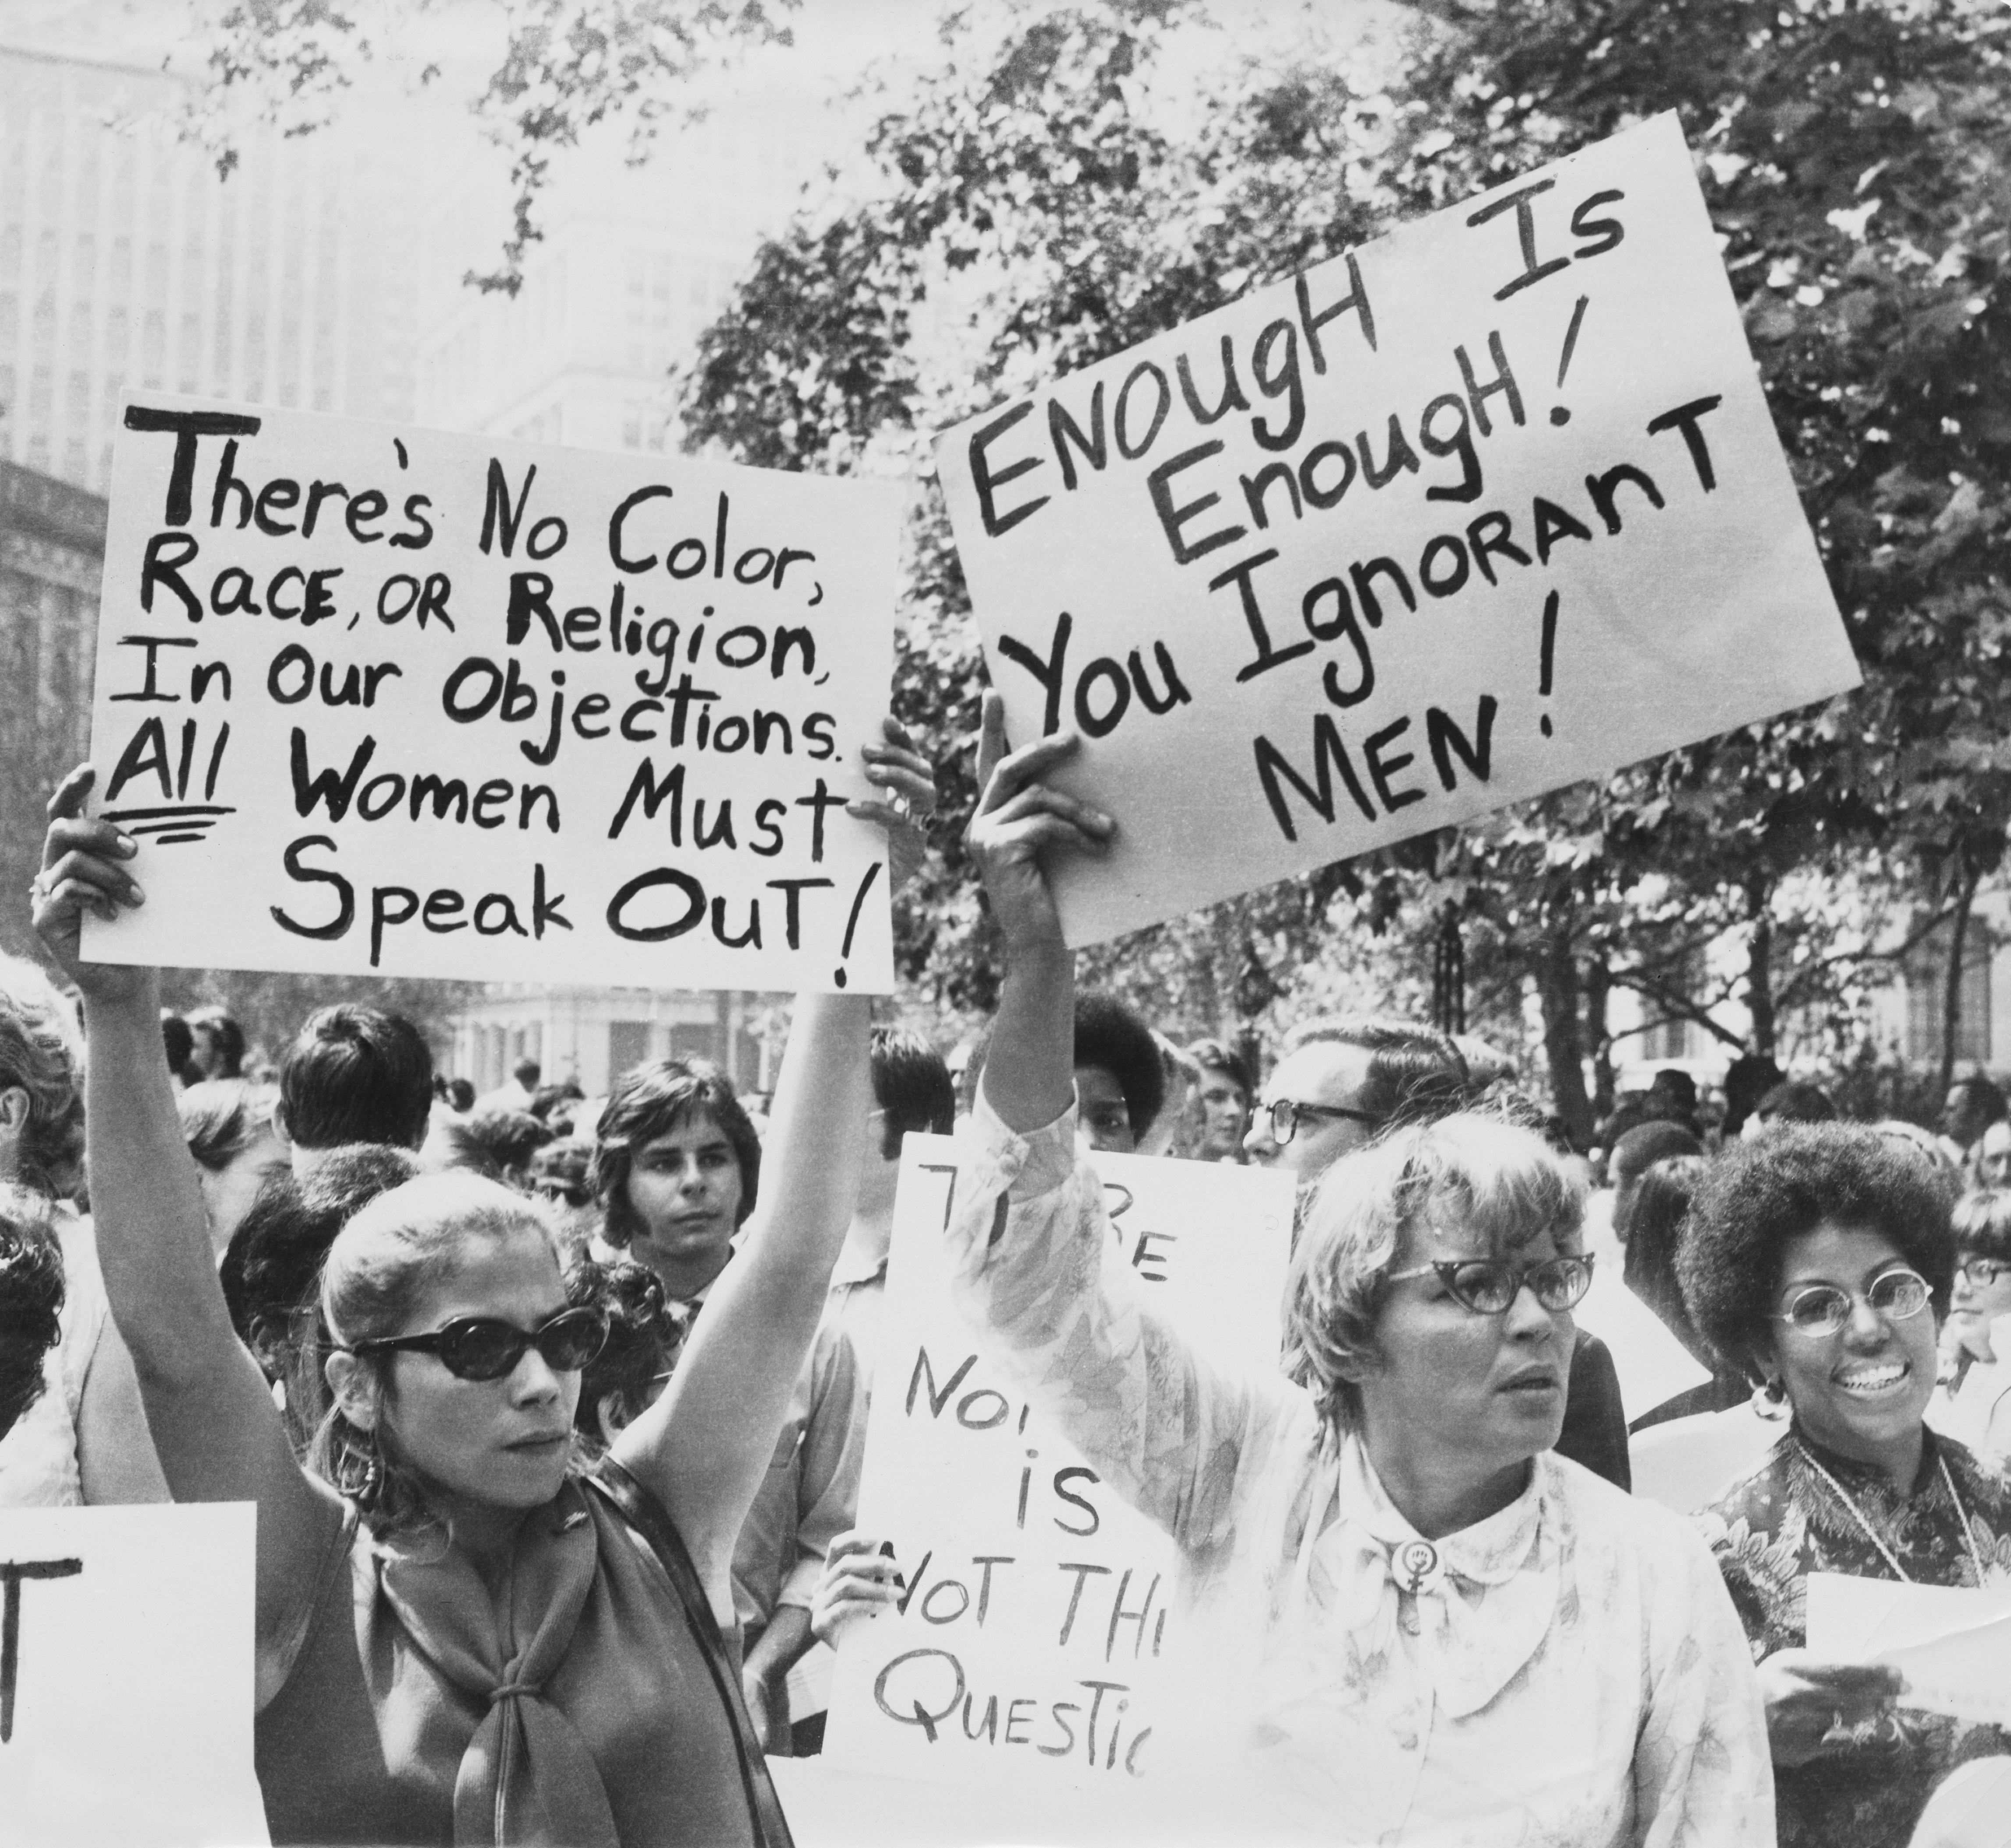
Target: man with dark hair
[(1227, 1085), (1120, 1082), (1747, 1079), (677, 1165), (1972, 1105), (219, 1042), (1633, 1155), (1342, 1081), (179, 1043), (1790, 1103), (1672, 1098), (353, 1075)]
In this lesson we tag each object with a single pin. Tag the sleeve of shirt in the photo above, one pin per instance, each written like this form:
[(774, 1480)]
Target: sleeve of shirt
[(1033, 1259), (833, 1448), (1703, 1774)]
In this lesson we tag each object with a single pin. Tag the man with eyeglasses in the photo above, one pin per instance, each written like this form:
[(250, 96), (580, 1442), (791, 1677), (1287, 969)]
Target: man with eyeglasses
[(1343, 1081)]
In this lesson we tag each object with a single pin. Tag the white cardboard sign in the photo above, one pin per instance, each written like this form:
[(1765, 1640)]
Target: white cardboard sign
[(383, 700), (127, 1676), (1036, 1644), (1491, 505)]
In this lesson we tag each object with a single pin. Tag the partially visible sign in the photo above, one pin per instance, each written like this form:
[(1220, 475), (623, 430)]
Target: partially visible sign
[(127, 1676), (1491, 505), (380, 700), (1036, 1640)]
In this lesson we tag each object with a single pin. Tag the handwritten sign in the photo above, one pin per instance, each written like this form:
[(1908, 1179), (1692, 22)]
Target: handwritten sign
[(1037, 1635), (1491, 505), (126, 1676), (382, 699)]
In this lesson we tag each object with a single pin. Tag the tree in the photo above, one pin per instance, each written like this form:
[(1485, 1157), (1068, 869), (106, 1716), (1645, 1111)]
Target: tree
[(567, 66)]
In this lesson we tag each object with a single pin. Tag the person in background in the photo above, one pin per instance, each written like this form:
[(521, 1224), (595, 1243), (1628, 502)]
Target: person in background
[(1818, 1256), (1661, 1203), (557, 1106), (1972, 1105), (1633, 1155), (562, 1176), (1787, 1103), (219, 1042), (1227, 1085), (1672, 1098), (353, 1075), (270, 1270), (179, 1043), (460, 1096), (518, 1092), (1119, 1074), (1973, 1378), (678, 1169), (1993, 1156), (644, 1331), (228, 1125), (1747, 1079), (31, 1299), (84, 1439), (498, 1144)]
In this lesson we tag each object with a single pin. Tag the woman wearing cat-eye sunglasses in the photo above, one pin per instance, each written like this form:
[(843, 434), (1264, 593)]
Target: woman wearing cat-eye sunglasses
[(463, 1633)]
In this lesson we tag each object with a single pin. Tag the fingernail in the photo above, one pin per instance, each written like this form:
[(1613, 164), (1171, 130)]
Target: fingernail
[(134, 895), (126, 843)]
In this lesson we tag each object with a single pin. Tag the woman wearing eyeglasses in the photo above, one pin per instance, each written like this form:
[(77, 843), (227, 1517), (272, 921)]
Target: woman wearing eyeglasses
[(1415, 1624), (1817, 1258), (1975, 1377), (464, 1635)]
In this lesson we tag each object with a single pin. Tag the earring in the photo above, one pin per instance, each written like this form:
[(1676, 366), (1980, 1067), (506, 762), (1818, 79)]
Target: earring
[(1769, 1401)]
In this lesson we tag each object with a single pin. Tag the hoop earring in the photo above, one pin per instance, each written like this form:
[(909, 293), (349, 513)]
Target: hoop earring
[(1769, 1401)]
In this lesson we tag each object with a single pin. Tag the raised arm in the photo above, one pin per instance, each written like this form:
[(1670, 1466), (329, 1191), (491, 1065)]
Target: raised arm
[(215, 1430), (702, 1447)]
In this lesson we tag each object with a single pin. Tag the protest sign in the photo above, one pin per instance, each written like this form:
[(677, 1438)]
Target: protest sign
[(382, 700), (1488, 505), (1035, 1639), (126, 1676)]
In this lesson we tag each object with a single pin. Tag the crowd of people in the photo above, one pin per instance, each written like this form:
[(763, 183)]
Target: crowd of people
[(553, 1407)]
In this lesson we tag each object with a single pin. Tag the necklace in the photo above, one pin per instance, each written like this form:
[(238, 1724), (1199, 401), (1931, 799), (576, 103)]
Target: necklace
[(1898, 1571)]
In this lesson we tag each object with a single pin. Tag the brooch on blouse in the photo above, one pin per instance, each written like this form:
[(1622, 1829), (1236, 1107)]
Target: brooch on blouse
[(1416, 1567)]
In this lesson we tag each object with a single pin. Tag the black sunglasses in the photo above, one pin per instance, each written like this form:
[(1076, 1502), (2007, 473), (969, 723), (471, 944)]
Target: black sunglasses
[(484, 1348)]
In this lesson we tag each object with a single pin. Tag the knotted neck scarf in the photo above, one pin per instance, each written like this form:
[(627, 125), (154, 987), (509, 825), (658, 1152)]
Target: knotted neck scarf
[(526, 1776)]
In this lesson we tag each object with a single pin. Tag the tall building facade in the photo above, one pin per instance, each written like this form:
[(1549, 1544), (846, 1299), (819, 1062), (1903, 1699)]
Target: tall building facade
[(127, 262)]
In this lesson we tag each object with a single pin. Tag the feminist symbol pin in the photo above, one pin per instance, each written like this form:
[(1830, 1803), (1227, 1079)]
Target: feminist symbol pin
[(1415, 1566)]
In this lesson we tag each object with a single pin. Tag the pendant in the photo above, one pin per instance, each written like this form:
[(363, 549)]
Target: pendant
[(1415, 1566)]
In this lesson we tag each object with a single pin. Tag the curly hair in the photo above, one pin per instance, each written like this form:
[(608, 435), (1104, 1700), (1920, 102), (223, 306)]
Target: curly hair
[(1480, 1172), (31, 1298), (1760, 1196), (644, 1331), (1110, 1035), (39, 1055), (651, 1101)]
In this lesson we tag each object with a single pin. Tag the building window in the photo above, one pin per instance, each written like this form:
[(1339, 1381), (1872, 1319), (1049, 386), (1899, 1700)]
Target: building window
[(1925, 973)]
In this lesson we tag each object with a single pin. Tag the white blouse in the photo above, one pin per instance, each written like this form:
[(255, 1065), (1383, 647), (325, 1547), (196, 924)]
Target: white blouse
[(1568, 1672)]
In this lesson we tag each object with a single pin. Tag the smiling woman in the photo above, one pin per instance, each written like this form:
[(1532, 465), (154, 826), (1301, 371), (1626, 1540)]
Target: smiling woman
[(1817, 1258)]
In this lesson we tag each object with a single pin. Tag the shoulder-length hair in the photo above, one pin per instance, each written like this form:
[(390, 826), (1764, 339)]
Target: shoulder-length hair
[(651, 1101), (1476, 1172)]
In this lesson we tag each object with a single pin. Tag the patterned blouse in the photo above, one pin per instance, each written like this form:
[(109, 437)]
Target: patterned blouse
[(1781, 1522), (1566, 1673)]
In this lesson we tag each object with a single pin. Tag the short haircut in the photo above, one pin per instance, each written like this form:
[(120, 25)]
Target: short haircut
[(1673, 1080), (1796, 1103), (911, 1084), (1760, 1196), (1415, 1074), (1112, 1037), (507, 1138), (527, 1073), (31, 1298), (39, 1053), (1747, 1079), (177, 1041), (1981, 1222), (644, 1329), (1213, 1055), (460, 1094), (357, 1074), (1480, 1172), (225, 1035), (651, 1101), (222, 1117), (1637, 1151)]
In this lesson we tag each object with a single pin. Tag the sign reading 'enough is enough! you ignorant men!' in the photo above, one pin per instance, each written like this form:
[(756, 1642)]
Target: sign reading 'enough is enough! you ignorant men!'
[(1491, 505), (377, 699)]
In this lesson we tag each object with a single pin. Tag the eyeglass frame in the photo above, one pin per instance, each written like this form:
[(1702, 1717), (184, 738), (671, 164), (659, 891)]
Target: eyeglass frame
[(429, 1341), (1443, 1269), (1852, 1297), (1999, 1267), (1282, 1133)]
